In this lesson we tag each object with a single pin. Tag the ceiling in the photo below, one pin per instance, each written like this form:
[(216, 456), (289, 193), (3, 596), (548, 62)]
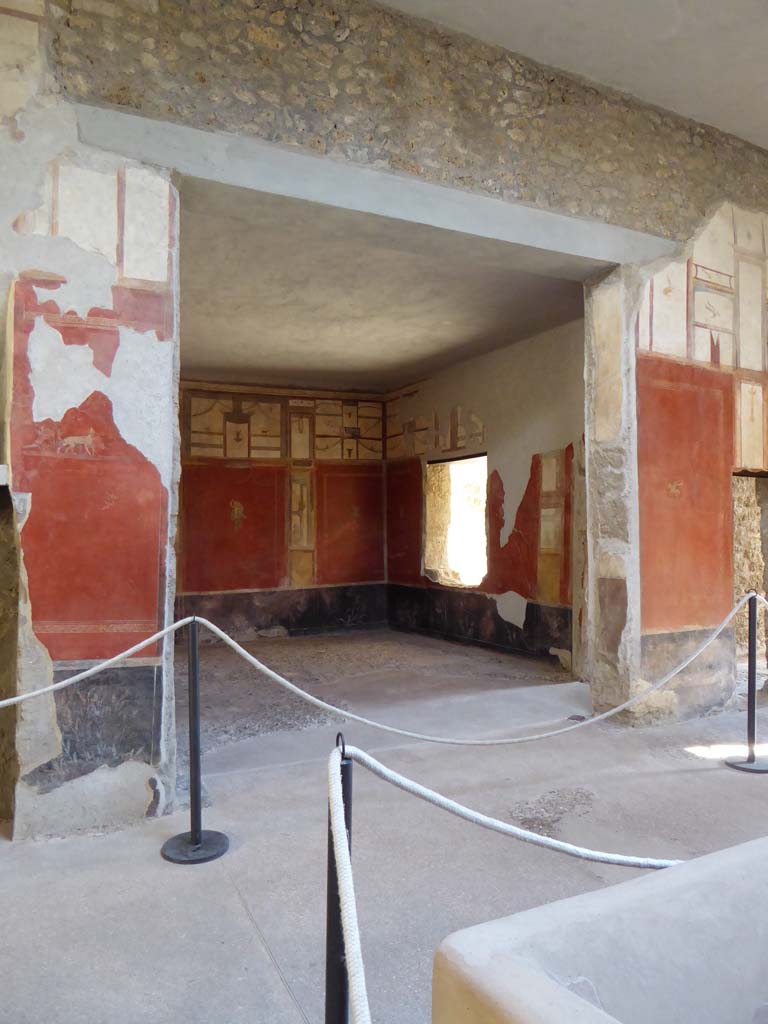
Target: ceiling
[(284, 291), (701, 58)]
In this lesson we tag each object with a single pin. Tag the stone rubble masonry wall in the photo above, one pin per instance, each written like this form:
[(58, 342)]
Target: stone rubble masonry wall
[(378, 88), (9, 616), (748, 561), (611, 630)]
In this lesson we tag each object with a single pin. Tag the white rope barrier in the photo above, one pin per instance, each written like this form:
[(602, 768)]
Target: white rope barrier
[(95, 669), (352, 716), (353, 953), (358, 999), (494, 824)]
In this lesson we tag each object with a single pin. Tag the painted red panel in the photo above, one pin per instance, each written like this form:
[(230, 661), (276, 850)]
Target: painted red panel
[(94, 540), (349, 523), (685, 460), (92, 543), (514, 565), (233, 529), (404, 521)]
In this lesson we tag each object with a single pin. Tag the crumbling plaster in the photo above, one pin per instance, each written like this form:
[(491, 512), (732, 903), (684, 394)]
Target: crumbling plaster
[(530, 398), (37, 127), (364, 84)]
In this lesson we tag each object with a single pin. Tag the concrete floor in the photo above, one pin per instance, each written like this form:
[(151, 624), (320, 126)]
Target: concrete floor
[(99, 928)]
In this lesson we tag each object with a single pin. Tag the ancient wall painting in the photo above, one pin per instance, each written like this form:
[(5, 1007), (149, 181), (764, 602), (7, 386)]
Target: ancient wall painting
[(124, 214), (281, 426), (421, 434), (95, 465), (244, 428), (92, 410), (711, 310)]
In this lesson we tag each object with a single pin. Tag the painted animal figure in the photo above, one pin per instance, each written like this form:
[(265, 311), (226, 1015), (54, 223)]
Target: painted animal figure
[(75, 442)]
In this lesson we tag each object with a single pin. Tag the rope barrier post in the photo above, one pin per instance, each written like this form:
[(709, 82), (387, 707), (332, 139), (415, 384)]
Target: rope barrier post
[(752, 763), (336, 981), (198, 845)]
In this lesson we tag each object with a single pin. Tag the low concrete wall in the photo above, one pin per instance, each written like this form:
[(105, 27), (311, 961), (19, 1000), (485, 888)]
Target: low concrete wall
[(680, 945)]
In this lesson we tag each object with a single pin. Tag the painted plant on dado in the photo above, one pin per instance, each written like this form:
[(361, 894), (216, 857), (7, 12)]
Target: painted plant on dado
[(88, 269)]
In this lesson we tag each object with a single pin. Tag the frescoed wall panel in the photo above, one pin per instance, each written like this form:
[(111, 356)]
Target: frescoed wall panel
[(234, 527), (350, 524), (685, 452)]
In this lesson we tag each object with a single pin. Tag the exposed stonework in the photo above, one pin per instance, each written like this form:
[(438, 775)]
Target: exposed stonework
[(378, 88), (9, 613), (748, 562), (611, 632)]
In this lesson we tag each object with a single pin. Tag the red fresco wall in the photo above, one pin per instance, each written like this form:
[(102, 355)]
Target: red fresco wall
[(349, 523), (685, 458), (233, 527), (404, 521), (514, 565), (94, 540), (511, 566)]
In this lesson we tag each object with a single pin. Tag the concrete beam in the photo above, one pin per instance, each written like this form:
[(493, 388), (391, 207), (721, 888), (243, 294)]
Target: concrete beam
[(552, 244)]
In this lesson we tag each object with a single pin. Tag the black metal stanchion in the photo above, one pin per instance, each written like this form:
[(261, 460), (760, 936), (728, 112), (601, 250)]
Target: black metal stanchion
[(752, 763), (198, 845), (336, 983)]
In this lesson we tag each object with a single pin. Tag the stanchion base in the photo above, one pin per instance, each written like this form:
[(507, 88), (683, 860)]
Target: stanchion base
[(179, 849), (759, 765)]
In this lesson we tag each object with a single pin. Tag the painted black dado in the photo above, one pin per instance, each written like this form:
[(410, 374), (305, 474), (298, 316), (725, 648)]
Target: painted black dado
[(473, 617), (312, 610), (111, 718)]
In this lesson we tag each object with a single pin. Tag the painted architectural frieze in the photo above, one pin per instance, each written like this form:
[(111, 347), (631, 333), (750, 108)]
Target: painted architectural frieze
[(710, 309)]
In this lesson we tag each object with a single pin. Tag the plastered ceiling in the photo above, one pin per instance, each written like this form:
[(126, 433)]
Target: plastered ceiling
[(281, 290), (705, 59)]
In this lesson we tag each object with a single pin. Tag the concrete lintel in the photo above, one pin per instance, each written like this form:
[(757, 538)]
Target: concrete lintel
[(249, 163)]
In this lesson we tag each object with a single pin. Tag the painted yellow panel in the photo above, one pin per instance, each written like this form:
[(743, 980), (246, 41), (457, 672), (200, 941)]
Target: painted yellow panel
[(369, 449), (301, 437), (670, 310), (549, 577), (328, 426), (751, 290), (751, 424), (350, 414), (551, 529), (396, 447), (207, 414), (549, 466), (236, 440), (301, 568), (265, 418), (328, 448), (370, 427), (328, 407)]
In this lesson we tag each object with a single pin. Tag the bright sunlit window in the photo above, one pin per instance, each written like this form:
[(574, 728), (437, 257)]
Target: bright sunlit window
[(456, 543)]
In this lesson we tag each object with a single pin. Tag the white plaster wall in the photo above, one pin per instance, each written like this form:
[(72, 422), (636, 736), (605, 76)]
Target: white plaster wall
[(530, 397)]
